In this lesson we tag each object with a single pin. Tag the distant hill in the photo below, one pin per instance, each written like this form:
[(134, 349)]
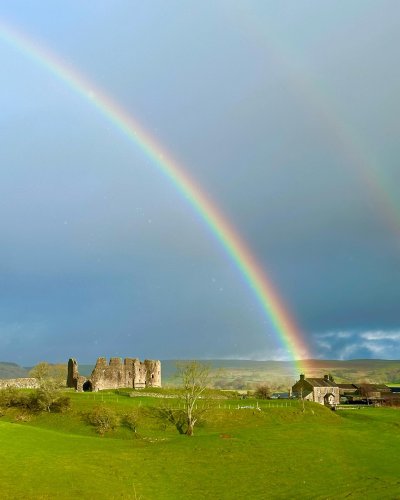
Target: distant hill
[(247, 374), (12, 370)]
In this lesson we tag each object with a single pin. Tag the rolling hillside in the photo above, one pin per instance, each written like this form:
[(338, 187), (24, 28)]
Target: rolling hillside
[(246, 374), (12, 370)]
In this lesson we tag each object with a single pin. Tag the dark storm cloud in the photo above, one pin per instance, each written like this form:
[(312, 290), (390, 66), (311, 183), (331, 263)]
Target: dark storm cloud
[(283, 113)]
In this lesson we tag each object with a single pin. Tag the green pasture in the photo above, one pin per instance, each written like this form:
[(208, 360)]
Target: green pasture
[(275, 452)]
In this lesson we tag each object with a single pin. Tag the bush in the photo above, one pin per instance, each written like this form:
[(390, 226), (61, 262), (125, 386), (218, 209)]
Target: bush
[(61, 404), (130, 420), (43, 399), (103, 418), (262, 392), (11, 397), (22, 417), (48, 399)]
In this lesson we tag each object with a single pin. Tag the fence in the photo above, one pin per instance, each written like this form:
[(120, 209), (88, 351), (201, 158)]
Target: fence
[(177, 405), (352, 407)]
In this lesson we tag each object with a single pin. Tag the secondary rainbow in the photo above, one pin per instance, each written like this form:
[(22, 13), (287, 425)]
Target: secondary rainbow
[(235, 247), (355, 150)]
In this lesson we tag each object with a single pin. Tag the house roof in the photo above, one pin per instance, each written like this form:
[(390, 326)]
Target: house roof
[(320, 382), (347, 386), (374, 387)]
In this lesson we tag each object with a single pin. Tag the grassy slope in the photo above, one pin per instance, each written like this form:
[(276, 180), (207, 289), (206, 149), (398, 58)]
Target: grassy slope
[(275, 453)]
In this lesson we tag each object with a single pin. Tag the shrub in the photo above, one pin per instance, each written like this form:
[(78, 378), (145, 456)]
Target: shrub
[(22, 417), (10, 396), (262, 392), (43, 399), (103, 418), (61, 404), (130, 420)]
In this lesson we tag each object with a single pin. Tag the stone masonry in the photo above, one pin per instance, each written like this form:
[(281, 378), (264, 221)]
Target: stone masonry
[(320, 390), (130, 373), (19, 383)]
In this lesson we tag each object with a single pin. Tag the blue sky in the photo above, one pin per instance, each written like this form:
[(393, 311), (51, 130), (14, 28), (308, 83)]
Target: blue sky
[(286, 115)]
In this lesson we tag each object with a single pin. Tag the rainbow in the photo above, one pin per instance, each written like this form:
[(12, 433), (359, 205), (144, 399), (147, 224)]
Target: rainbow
[(272, 306)]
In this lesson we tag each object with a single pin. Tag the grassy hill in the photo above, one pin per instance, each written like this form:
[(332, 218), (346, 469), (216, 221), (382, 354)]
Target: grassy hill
[(278, 452)]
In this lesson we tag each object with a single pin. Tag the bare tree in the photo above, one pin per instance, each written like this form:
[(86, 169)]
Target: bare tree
[(41, 371), (301, 395), (194, 378), (51, 378), (50, 374), (365, 391), (262, 392)]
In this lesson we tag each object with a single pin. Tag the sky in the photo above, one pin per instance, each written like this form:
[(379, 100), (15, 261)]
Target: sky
[(285, 114)]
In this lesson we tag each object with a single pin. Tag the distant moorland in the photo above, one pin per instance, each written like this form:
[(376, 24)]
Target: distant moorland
[(12, 370), (245, 374)]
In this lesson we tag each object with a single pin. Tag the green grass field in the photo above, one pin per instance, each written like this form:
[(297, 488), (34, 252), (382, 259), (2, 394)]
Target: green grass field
[(278, 452)]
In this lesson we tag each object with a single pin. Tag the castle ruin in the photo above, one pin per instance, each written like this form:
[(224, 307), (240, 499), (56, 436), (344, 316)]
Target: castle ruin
[(131, 373)]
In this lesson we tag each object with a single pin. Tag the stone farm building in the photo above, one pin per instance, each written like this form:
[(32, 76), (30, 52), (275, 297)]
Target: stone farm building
[(320, 390), (364, 391), (131, 373), (327, 392)]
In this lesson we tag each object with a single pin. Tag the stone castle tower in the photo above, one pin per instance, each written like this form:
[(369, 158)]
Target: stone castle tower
[(131, 373)]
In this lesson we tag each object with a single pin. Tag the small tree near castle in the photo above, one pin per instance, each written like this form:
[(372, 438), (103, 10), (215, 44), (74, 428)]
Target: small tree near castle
[(195, 379)]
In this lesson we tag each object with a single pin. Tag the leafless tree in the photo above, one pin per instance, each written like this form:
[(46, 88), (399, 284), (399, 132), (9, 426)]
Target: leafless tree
[(194, 378), (49, 374), (365, 391), (40, 371), (301, 395), (262, 392)]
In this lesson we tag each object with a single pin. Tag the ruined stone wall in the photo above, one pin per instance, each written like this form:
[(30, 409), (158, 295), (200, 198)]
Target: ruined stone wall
[(72, 373), (153, 373), (19, 383), (132, 373), (108, 376)]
